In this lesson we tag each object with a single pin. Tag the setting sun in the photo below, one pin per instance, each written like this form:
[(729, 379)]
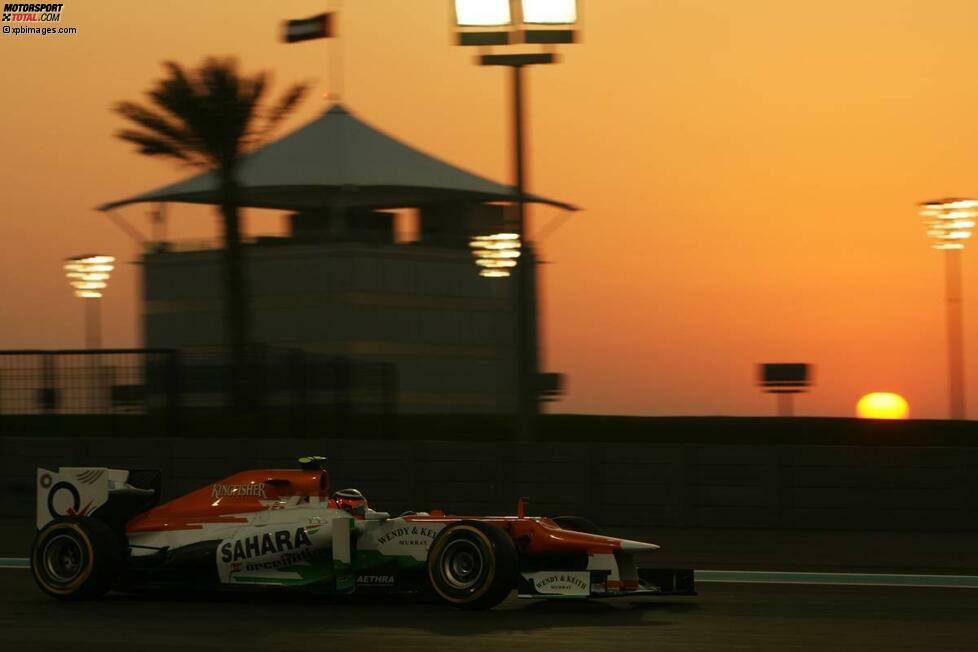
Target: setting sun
[(882, 405)]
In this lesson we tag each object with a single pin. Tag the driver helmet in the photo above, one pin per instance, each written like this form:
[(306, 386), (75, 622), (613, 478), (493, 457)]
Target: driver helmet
[(351, 501)]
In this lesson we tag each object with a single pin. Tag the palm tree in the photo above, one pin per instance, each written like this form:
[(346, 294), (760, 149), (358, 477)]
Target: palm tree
[(210, 118)]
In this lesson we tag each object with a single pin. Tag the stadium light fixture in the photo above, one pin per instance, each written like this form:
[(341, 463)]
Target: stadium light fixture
[(496, 254), (88, 276), (949, 224), (949, 221), (483, 13), (549, 12)]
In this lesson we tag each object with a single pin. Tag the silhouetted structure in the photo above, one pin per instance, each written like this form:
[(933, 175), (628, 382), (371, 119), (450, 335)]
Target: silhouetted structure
[(785, 380), (340, 283), (210, 117), (949, 223), (140, 392), (547, 23)]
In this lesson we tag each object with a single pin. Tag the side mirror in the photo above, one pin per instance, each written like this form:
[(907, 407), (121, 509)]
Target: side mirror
[(312, 463)]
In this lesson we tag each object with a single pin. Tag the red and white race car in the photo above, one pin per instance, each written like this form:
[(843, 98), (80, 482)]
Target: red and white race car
[(102, 529)]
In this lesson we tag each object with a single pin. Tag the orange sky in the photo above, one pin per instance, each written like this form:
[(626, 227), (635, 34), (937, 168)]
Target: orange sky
[(748, 171)]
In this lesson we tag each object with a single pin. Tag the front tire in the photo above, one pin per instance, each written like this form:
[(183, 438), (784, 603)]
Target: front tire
[(473, 565), (76, 558)]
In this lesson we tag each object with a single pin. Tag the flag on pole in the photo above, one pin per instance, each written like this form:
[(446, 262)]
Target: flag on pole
[(305, 29)]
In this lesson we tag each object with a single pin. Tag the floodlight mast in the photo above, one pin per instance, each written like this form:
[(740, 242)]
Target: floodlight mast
[(784, 380), (949, 224), (493, 22), (89, 275)]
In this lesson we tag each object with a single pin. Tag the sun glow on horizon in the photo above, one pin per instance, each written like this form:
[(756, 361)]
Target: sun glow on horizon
[(882, 405)]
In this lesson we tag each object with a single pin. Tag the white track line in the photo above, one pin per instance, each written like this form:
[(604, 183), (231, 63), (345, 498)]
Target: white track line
[(838, 579), (14, 562)]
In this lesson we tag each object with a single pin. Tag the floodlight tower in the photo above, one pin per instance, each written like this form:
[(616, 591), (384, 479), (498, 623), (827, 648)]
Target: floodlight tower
[(949, 223), (487, 23), (784, 380), (88, 275)]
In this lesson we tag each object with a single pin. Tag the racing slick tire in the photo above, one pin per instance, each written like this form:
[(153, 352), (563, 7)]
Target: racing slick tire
[(76, 558), (473, 565), (576, 524)]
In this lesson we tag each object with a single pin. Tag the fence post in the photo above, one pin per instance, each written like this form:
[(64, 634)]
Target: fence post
[(172, 388), (344, 380), (49, 389), (297, 375), (389, 398), (262, 374), (258, 370)]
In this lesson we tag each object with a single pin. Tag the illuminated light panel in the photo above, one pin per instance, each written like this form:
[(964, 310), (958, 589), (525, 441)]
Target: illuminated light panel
[(482, 13), (882, 405), (89, 275), (492, 262), (550, 12), (949, 221), (496, 254)]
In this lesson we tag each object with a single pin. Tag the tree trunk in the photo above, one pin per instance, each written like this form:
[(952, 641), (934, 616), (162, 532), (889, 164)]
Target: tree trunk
[(237, 316)]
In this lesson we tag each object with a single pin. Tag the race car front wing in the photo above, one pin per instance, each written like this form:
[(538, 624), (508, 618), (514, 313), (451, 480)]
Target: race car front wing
[(584, 584)]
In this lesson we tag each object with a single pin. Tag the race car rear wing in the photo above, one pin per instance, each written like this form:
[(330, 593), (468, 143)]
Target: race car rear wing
[(112, 495)]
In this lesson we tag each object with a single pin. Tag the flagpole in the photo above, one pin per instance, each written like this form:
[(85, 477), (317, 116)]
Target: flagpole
[(334, 55), (317, 27)]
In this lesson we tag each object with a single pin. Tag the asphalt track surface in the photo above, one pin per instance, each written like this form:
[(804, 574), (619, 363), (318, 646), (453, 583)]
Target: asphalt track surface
[(725, 616)]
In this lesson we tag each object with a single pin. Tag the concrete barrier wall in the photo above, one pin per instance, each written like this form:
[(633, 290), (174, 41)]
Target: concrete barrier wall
[(787, 487)]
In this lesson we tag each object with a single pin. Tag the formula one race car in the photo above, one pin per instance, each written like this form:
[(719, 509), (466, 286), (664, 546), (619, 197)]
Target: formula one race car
[(102, 529)]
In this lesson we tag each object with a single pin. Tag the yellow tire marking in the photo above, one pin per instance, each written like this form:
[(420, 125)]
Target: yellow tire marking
[(78, 581), (492, 565)]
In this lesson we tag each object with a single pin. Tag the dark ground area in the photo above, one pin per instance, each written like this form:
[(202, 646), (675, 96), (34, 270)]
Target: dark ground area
[(722, 617)]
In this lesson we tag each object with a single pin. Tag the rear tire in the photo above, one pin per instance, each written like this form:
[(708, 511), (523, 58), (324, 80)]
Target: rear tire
[(577, 524), (76, 558), (473, 565)]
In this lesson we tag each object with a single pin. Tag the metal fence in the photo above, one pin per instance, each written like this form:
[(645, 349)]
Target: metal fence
[(144, 381)]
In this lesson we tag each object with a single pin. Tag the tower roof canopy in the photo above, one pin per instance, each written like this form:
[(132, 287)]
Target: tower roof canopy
[(339, 160)]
